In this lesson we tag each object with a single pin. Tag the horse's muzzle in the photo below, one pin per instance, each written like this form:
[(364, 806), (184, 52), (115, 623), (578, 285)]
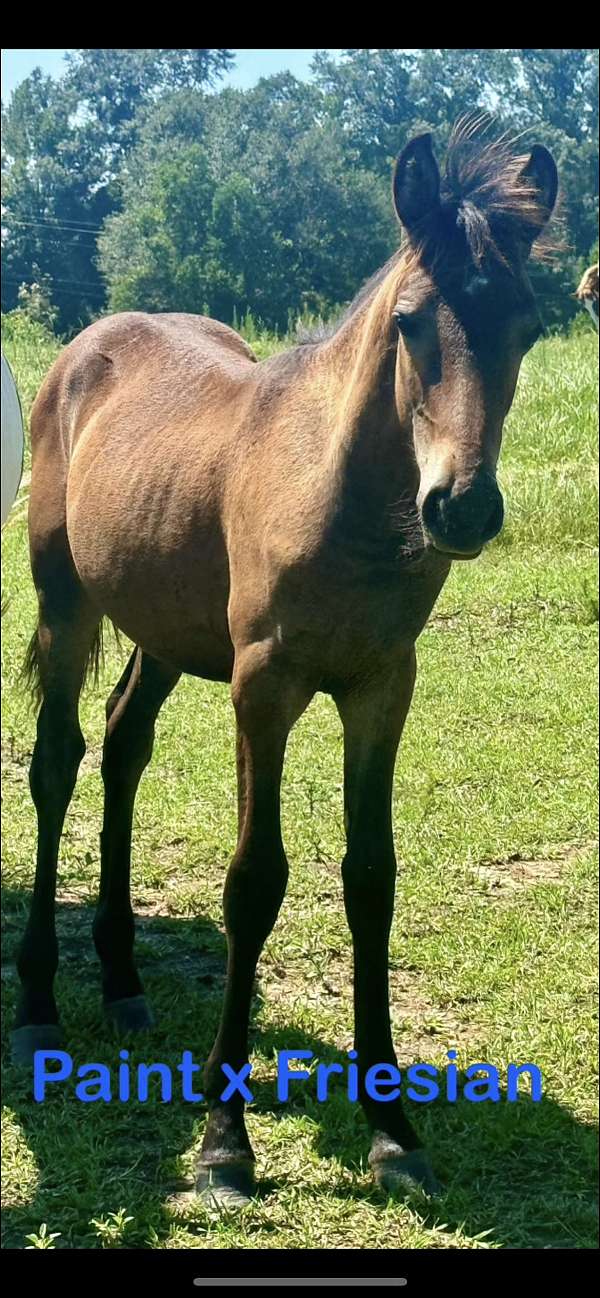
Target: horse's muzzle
[(459, 520)]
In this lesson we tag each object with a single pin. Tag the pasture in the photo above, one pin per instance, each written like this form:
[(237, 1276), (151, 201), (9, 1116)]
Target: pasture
[(494, 938)]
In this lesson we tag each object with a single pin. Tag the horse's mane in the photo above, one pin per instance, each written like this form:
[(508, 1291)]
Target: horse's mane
[(485, 191), (320, 332)]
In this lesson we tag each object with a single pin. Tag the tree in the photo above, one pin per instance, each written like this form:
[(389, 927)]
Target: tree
[(271, 212), (553, 97), (560, 102), (382, 97), (112, 87), (53, 205), (64, 146), (275, 198)]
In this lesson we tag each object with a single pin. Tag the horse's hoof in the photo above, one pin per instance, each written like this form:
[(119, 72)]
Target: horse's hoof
[(227, 1186), (131, 1014), (34, 1036), (406, 1174)]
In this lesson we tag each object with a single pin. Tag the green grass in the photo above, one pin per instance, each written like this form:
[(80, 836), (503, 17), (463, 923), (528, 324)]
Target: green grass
[(493, 945)]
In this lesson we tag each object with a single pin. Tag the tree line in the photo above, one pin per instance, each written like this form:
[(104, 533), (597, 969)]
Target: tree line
[(135, 181)]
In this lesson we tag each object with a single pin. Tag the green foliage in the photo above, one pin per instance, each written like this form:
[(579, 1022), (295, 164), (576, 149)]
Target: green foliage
[(43, 1238), (21, 332), (382, 97), (35, 300), (290, 224), (113, 86), (131, 183), (111, 1229), (64, 145), (53, 200)]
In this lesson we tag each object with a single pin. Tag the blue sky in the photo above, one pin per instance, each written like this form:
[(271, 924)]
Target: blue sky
[(250, 65)]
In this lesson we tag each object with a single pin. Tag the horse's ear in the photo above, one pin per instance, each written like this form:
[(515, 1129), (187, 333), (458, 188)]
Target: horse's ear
[(416, 185), (540, 173)]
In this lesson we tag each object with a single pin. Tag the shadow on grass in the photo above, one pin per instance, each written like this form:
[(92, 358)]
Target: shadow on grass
[(516, 1175), (523, 1172)]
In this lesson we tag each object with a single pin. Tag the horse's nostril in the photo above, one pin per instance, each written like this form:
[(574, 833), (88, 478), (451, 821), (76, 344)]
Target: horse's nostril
[(464, 520), (433, 509)]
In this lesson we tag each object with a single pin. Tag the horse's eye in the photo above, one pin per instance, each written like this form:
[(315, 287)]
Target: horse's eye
[(408, 323)]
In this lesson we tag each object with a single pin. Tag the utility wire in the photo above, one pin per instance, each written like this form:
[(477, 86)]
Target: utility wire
[(81, 227), (60, 289)]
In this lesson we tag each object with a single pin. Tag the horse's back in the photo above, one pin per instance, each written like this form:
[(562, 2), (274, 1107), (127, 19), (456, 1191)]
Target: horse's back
[(136, 363)]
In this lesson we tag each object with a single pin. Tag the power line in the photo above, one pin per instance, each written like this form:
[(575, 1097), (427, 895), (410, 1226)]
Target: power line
[(49, 227), (82, 283), (60, 289), (60, 223), (67, 220)]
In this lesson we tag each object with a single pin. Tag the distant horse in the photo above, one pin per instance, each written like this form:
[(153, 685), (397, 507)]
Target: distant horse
[(286, 526), (13, 441), (587, 292)]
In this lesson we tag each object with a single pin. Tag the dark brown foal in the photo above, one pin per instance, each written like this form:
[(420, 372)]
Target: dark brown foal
[(286, 527)]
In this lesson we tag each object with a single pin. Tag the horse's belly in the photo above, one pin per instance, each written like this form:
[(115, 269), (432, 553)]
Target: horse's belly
[(156, 565)]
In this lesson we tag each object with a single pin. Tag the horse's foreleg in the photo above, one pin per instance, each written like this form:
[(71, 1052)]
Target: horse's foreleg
[(373, 718), (267, 704), (131, 712)]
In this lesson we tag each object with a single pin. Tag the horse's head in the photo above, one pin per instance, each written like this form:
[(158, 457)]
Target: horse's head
[(466, 316)]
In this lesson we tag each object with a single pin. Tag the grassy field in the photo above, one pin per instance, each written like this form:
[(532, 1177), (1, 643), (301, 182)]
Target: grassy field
[(494, 941)]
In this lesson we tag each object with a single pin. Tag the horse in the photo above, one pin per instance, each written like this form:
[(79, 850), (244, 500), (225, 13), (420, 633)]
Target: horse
[(13, 440), (587, 292), (286, 527)]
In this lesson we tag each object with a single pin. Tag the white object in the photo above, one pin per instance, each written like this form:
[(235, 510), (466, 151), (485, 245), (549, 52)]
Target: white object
[(13, 440)]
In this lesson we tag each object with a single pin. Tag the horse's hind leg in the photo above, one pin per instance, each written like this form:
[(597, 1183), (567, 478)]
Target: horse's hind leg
[(59, 656), (131, 712)]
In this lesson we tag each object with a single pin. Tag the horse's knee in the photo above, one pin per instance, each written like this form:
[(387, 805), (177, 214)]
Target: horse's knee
[(254, 890)]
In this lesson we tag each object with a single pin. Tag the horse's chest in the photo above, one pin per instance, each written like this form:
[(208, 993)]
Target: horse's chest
[(342, 628)]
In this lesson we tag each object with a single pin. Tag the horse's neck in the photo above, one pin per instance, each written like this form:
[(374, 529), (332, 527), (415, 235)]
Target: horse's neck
[(371, 452)]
